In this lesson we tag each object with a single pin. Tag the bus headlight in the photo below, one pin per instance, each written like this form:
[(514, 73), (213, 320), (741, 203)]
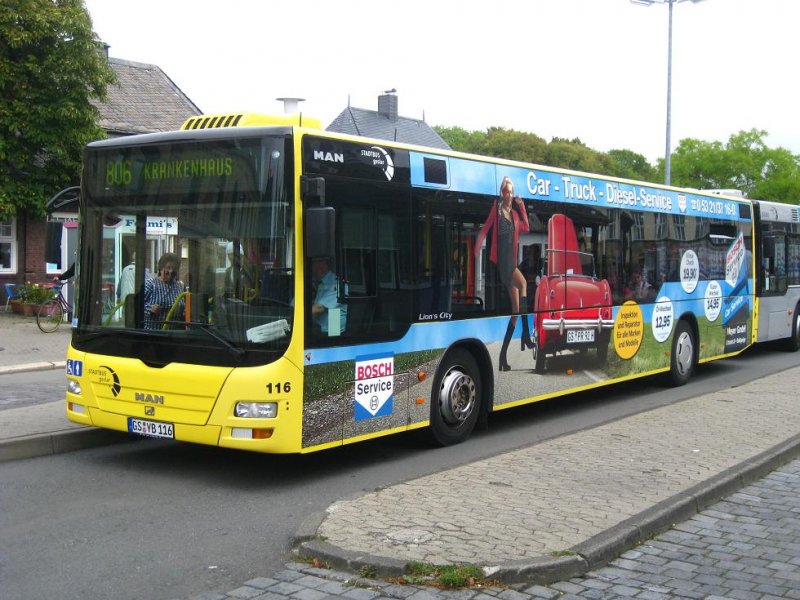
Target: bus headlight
[(73, 387), (256, 410)]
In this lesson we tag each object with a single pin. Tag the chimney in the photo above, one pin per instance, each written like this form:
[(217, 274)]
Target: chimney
[(387, 104)]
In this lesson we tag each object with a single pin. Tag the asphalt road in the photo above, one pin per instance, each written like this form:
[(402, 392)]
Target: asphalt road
[(153, 519)]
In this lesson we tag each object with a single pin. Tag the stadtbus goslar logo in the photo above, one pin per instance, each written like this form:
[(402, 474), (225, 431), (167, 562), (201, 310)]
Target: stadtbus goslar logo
[(115, 386), (388, 163), (379, 157)]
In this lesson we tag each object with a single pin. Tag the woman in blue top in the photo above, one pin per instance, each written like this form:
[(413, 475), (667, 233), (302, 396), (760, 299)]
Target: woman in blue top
[(161, 291)]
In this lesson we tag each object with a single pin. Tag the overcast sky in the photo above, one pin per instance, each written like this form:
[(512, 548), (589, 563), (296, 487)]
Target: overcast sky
[(591, 69)]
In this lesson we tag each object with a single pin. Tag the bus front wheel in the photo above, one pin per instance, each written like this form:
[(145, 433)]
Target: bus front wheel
[(683, 357), (455, 401)]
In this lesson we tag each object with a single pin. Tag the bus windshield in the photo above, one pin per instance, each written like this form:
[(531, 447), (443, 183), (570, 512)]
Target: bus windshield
[(187, 251)]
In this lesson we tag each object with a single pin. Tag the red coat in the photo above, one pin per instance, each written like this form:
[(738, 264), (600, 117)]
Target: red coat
[(519, 218)]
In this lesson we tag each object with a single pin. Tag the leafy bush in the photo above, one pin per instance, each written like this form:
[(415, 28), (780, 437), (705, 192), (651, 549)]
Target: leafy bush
[(33, 293)]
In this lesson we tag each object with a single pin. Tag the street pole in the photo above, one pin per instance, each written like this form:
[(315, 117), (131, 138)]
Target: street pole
[(668, 151)]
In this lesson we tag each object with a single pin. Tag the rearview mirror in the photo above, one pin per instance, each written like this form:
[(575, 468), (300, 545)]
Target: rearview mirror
[(320, 231)]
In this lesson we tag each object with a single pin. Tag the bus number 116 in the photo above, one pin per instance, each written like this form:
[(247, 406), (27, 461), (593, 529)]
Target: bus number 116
[(279, 387)]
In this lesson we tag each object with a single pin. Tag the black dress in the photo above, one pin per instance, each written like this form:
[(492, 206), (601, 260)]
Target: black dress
[(506, 260)]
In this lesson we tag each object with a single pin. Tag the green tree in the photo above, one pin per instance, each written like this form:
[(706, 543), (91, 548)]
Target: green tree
[(498, 142), (630, 165), (51, 68), (515, 145), (459, 139), (745, 163), (574, 154)]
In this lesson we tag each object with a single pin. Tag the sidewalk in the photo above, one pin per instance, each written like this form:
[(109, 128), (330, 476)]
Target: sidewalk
[(541, 514), (556, 509), (40, 429), (23, 347)]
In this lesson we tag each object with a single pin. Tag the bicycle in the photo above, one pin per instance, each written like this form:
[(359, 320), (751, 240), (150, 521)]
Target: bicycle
[(53, 312)]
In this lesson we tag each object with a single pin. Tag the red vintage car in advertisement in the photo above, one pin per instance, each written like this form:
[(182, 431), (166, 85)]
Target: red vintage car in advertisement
[(572, 307)]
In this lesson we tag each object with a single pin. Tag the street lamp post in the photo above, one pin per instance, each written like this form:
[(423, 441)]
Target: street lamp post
[(668, 151)]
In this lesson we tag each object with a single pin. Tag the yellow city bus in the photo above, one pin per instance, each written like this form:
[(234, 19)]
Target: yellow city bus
[(265, 285)]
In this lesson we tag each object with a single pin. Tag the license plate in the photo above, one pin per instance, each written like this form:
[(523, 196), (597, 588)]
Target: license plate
[(151, 428), (580, 336)]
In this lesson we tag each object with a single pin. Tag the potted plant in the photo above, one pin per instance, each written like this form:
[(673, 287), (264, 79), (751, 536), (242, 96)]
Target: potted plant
[(32, 295)]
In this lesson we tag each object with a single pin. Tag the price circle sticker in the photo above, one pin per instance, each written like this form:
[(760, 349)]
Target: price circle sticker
[(690, 271), (662, 319), (713, 301)]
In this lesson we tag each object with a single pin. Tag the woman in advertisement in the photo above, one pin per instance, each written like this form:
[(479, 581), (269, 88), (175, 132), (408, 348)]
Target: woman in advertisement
[(506, 221)]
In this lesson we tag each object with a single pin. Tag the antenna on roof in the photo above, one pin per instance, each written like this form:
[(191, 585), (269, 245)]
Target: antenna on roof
[(290, 105)]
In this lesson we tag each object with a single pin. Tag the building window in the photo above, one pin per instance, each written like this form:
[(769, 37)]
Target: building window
[(8, 246)]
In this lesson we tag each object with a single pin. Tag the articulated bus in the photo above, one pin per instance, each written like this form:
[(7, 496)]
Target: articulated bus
[(777, 278), (333, 289)]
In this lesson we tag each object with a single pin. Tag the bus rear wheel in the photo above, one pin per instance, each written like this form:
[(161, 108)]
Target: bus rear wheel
[(456, 399), (683, 357)]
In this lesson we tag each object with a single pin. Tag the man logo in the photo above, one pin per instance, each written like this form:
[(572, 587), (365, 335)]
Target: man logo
[(152, 398), (150, 411), (334, 157)]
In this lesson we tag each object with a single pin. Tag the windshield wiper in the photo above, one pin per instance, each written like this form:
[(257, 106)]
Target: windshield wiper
[(235, 350), (206, 328)]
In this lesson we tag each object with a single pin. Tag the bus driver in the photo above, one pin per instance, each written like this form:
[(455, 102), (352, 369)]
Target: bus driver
[(326, 298)]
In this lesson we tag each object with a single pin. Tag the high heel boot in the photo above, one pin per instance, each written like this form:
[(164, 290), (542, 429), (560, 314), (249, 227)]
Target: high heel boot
[(512, 324), (525, 342)]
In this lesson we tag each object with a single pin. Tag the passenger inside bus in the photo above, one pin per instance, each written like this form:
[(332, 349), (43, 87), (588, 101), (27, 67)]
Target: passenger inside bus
[(161, 291), (238, 278), (127, 282), (638, 288)]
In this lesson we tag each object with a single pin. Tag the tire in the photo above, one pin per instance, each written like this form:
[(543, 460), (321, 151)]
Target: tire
[(456, 399), (792, 344), (684, 355), (50, 315)]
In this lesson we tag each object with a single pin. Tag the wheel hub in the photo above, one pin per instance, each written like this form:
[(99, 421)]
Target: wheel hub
[(685, 353), (457, 397)]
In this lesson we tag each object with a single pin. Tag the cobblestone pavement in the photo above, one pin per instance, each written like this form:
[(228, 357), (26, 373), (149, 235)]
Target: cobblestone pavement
[(745, 547)]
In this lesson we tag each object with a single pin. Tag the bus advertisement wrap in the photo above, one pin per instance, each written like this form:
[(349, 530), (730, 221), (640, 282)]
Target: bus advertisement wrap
[(283, 289), (537, 184)]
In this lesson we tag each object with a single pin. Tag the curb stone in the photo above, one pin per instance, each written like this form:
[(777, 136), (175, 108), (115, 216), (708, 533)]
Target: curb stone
[(37, 366), (56, 443)]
